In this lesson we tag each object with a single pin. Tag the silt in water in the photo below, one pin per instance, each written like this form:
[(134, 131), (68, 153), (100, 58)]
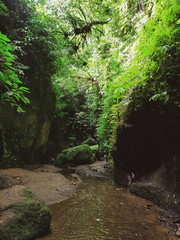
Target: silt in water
[(99, 211)]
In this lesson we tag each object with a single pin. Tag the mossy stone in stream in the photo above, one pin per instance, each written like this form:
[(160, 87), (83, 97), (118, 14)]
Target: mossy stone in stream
[(94, 148), (90, 141), (31, 218), (60, 160), (81, 154)]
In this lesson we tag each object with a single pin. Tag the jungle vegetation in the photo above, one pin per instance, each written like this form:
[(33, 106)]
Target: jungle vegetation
[(93, 54)]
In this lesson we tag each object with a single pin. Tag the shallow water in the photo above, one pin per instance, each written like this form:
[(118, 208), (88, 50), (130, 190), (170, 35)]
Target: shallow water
[(101, 211)]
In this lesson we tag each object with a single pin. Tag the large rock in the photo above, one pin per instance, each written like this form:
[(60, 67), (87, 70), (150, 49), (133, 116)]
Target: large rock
[(23, 216), (81, 154), (24, 137), (147, 150), (46, 183)]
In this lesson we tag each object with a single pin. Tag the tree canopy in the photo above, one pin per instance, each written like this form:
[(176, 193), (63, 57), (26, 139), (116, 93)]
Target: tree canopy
[(101, 50)]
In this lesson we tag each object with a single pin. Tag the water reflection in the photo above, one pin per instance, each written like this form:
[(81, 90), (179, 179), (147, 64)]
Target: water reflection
[(99, 211)]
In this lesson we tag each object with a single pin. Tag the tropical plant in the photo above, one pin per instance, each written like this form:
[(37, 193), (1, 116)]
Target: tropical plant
[(10, 85)]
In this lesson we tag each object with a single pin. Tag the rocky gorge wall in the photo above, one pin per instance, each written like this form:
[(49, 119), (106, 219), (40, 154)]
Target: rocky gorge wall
[(24, 136), (146, 152)]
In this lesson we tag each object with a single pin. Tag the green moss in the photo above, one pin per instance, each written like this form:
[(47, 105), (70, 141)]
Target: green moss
[(94, 148), (60, 160), (11, 149), (32, 218), (90, 141), (81, 154)]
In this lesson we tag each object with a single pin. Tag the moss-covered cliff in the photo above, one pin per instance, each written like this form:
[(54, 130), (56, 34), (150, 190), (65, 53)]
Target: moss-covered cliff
[(23, 137), (146, 149)]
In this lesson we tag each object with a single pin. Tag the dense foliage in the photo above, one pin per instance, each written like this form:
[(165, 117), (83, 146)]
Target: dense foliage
[(112, 48), (96, 54), (29, 55), (10, 85)]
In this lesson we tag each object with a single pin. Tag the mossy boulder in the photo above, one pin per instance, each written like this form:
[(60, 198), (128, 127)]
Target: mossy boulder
[(94, 148), (60, 160), (90, 141), (23, 216), (81, 154)]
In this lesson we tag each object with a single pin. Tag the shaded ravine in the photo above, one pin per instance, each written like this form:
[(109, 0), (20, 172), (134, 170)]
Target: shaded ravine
[(100, 211)]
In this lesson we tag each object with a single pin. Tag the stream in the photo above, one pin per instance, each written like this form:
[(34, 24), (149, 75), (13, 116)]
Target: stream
[(101, 211)]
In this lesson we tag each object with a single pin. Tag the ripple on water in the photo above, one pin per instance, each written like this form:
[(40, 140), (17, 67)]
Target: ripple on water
[(98, 212)]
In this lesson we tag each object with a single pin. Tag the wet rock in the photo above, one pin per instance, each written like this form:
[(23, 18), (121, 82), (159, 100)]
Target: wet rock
[(23, 216), (48, 168), (147, 144), (76, 155), (42, 184), (96, 169), (75, 176), (60, 160)]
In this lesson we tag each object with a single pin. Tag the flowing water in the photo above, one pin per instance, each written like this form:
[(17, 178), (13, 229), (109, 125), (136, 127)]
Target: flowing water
[(100, 211)]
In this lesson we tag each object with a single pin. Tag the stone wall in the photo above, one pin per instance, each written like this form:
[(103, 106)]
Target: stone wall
[(146, 149), (23, 137)]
